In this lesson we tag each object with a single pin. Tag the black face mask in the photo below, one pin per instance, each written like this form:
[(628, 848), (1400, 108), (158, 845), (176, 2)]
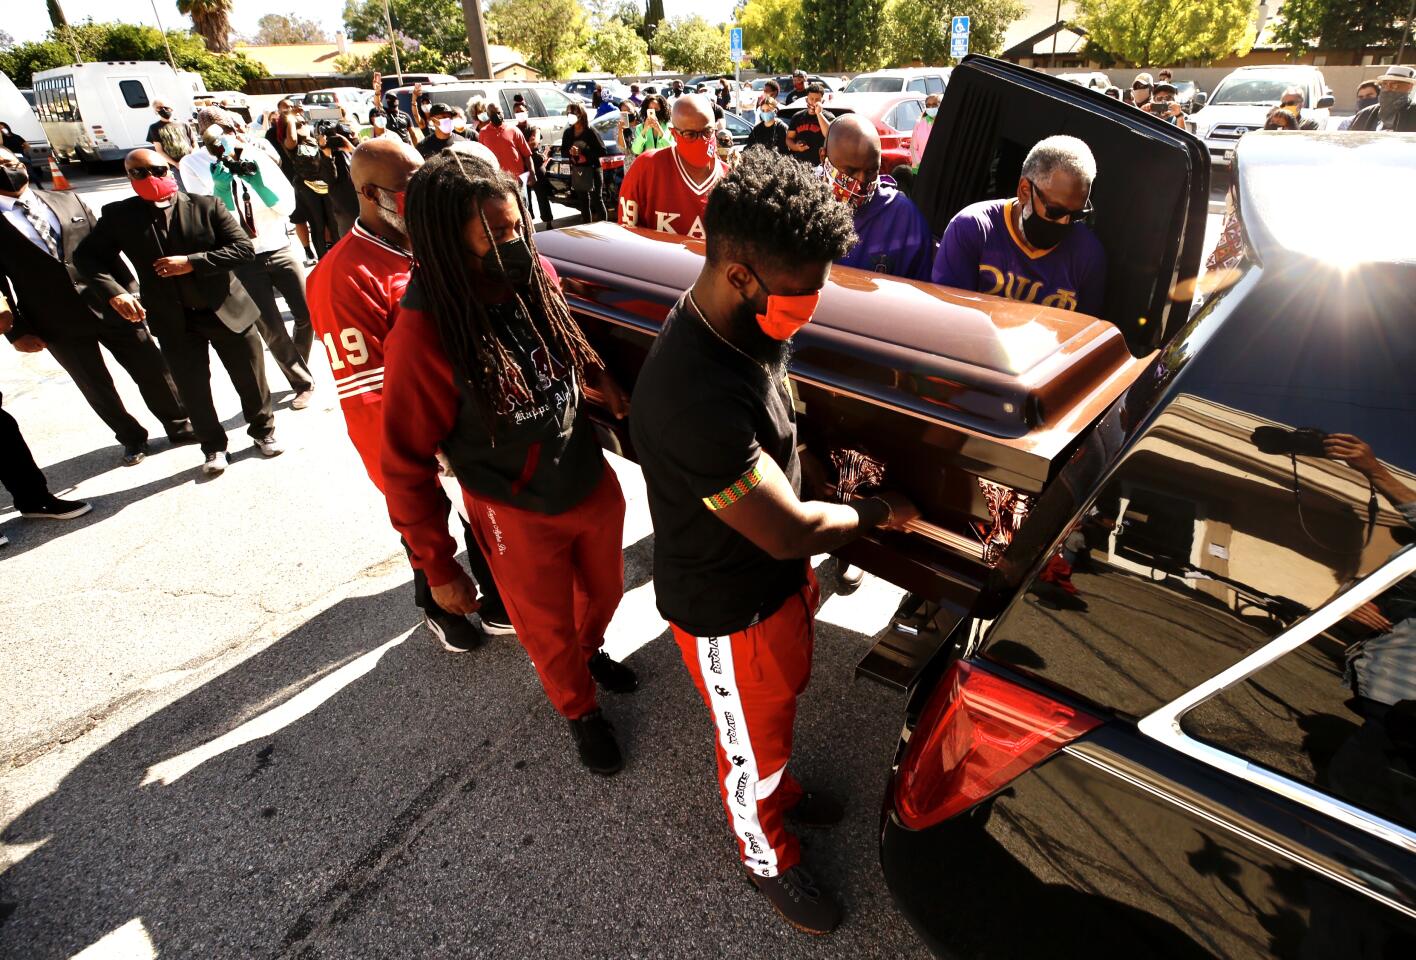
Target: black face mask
[(516, 263), (1364, 102), (496, 120), (13, 180), (1043, 234), (165, 112)]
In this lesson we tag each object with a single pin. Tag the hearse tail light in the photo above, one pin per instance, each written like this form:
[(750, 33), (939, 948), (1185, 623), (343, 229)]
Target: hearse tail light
[(977, 733)]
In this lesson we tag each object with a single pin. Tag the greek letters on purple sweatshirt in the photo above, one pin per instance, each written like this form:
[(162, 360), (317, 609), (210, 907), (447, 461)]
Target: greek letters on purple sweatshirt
[(981, 251)]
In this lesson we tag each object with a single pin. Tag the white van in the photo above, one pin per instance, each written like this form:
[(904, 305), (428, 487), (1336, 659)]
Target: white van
[(15, 111), (97, 112), (925, 80)]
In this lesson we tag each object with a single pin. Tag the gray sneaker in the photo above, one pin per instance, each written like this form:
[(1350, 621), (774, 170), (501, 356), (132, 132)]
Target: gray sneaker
[(269, 446), (216, 463)]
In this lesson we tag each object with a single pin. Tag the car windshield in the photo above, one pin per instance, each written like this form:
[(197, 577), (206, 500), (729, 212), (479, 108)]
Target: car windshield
[(1250, 90), (876, 85), (1185, 87)]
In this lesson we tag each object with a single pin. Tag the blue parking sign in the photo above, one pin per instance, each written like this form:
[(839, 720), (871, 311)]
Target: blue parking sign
[(959, 47), (959, 27)]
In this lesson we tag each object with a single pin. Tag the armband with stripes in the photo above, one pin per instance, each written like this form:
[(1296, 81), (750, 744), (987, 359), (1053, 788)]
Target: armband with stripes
[(736, 490)]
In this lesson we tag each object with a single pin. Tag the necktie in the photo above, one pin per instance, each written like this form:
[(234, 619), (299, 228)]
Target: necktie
[(41, 227)]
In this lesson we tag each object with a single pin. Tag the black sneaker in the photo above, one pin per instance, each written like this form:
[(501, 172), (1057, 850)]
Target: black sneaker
[(55, 509), (134, 453), (495, 620), (595, 739), (611, 675), (817, 810), (457, 634), (183, 436), (800, 901)]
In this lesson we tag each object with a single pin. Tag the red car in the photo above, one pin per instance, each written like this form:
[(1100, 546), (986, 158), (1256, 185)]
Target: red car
[(894, 116)]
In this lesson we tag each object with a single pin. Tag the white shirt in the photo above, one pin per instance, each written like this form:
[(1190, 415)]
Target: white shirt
[(271, 222), (17, 218)]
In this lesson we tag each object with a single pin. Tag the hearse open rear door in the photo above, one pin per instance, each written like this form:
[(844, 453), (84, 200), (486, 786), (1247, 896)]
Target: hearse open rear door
[(1151, 192)]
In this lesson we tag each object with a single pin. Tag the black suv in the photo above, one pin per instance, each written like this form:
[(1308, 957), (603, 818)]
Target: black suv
[(1180, 719)]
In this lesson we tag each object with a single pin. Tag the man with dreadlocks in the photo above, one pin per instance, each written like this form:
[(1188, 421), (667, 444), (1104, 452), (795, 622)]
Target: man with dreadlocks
[(485, 364), (354, 294), (716, 435)]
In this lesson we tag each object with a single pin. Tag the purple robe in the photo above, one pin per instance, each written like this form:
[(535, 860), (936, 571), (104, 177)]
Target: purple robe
[(894, 236)]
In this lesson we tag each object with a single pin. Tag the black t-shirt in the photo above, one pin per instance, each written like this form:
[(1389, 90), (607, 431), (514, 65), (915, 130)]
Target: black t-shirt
[(430, 146), (773, 137), (702, 415), (809, 131)]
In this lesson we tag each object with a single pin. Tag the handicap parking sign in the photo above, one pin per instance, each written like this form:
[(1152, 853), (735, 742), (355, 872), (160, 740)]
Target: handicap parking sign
[(959, 27)]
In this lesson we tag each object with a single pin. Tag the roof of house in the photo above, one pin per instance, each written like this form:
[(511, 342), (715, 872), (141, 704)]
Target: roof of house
[(1040, 16)]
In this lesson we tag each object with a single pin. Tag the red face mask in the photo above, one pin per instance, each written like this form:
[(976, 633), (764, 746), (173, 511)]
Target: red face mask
[(696, 153), (785, 314), (155, 189)]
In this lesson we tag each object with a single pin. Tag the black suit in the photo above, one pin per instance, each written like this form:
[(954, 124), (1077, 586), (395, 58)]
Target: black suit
[(53, 302), (188, 313), (1367, 119)]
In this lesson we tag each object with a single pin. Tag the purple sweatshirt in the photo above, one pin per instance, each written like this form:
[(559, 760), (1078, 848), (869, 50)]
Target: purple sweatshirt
[(981, 251), (894, 236)]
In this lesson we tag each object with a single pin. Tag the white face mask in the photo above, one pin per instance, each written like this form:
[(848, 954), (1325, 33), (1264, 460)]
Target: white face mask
[(930, 112), (483, 117), (380, 122), (445, 124), (459, 124)]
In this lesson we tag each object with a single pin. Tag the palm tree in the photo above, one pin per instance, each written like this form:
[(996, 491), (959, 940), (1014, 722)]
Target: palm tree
[(211, 19)]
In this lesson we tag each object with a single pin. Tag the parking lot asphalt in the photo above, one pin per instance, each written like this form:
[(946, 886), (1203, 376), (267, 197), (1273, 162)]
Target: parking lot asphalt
[(227, 734)]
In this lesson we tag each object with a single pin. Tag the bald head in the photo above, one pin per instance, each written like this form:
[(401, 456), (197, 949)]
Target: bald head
[(853, 147), (144, 158), (381, 169), (692, 112)]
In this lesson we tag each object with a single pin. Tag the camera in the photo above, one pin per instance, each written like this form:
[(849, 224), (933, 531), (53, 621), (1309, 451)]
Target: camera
[(236, 166), (1302, 442)]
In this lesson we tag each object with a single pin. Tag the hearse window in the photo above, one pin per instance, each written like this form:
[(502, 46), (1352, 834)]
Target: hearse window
[(134, 94), (1338, 713)]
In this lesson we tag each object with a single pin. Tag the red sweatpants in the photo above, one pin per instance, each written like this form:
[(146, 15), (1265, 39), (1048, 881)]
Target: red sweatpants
[(561, 577), (750, 682)]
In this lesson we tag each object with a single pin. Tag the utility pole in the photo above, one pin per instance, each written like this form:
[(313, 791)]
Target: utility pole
[(477, 39), (1056, 29), (170, 61), (393, 43), (61, 25), (1406, 31)]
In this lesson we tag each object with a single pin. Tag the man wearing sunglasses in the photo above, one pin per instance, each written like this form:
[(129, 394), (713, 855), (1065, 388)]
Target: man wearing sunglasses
[(185, 249), (1032, 247), (667, 190)]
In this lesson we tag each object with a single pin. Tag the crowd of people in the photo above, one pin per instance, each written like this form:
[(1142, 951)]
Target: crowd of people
[(456, 359)]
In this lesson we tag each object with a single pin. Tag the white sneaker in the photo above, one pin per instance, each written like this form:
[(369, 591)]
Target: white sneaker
[(216, 464), (269, 446)]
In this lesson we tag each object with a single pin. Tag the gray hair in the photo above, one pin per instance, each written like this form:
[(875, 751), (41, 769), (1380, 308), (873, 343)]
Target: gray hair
[(1067, 154)]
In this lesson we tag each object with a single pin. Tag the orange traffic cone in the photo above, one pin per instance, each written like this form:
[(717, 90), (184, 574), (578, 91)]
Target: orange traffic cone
[(57, 179)]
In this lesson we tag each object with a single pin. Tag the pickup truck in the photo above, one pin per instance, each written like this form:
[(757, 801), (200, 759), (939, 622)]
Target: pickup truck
[(1158, 703)]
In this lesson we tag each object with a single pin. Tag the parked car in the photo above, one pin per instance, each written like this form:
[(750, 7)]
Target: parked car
[(1242, 100), (1093, 80), (1189, 95), (98, 112), (584, 89), (558, 167), (1169, 763), (893, 114), (232, 101), (545, 102), (332, 103), (784, 84), (923, 80)]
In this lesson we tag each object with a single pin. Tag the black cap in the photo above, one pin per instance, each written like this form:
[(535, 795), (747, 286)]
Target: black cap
[(1165, 86), (440, 110)]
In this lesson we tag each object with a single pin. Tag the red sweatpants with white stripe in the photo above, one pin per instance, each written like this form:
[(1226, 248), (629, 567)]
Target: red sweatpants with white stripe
[(750, 682), (561, 577)]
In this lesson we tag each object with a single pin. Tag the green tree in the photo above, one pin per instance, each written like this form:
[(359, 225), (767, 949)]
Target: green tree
[(212, 20), (771, 33), (616, 48), (1159, 32), (277, 28), (550, 32), (126, 41), (411, 59), (842, 34), (920, 28), (435, 25), (693, 45), (1340, 24)]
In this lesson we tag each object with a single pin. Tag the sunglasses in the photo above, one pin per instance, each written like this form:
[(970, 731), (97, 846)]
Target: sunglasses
[(1051, 211), (158, 170), (691, 135)]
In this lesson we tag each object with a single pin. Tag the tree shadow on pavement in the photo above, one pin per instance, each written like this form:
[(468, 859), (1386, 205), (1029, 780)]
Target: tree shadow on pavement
[(354, 790)]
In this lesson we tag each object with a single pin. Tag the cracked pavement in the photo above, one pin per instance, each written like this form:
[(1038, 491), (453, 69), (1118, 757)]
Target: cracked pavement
[(228, 736)]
